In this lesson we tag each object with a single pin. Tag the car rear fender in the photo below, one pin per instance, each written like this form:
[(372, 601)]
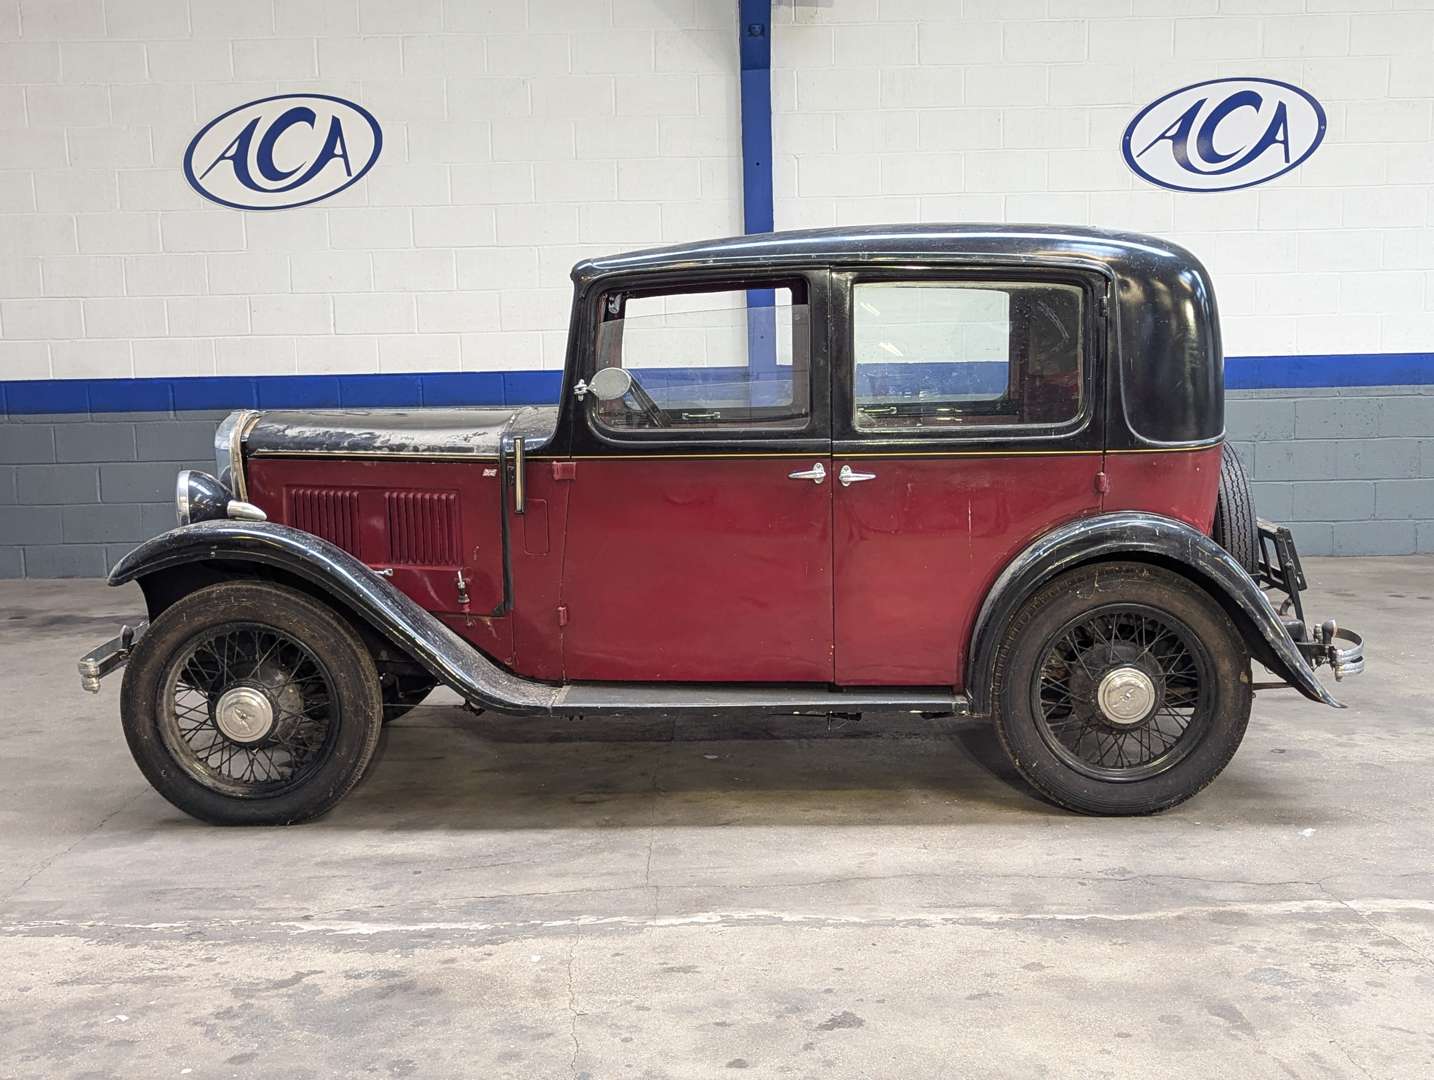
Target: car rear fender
[(180, 560), (1141, 537)]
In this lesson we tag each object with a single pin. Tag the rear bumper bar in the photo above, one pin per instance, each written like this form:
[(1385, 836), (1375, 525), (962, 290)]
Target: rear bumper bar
[(1279, 568), (109, 657)]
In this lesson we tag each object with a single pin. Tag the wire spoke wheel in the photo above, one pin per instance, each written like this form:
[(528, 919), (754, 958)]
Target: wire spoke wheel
[(1122, 692), (247, 710)]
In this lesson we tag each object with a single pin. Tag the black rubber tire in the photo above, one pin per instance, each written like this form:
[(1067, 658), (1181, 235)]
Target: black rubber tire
[(1086, 589), (318, 628), (402, 692), (1234, 528)]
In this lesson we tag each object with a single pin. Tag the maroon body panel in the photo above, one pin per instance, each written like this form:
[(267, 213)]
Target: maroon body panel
[(1183, 484), (698, 570), (424, 520), (918, 547), (720, 569), (539, 537)]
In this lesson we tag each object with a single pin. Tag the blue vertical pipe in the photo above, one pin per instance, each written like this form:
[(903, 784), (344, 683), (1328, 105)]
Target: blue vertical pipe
[(754, 44)]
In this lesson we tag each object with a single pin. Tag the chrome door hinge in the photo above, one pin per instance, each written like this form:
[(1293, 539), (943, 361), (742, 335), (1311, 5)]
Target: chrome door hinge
[(565, 470), (1102, 482), (562, 614)]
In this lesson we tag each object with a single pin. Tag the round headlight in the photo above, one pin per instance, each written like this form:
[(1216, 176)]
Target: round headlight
[(199, 497)]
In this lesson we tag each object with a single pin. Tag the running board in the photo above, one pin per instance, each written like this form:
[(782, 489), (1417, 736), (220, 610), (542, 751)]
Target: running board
[(730, 700)]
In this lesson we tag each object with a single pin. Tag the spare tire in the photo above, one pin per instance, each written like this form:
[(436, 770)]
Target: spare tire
[(1234, 528)]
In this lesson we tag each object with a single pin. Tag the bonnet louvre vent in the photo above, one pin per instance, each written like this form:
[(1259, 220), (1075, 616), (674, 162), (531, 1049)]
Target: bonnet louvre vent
[(422, 527), (328, 512)]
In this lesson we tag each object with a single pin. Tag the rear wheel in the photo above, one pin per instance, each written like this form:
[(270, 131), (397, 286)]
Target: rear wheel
[(248, 703), (1121, 688)]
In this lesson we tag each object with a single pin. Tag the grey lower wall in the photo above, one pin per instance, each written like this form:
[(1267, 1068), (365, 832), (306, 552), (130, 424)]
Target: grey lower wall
[(78, 491), (1351, 470)]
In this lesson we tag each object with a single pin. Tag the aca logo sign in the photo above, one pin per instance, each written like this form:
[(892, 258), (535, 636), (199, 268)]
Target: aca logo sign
[(282, 151), (1224, 134)]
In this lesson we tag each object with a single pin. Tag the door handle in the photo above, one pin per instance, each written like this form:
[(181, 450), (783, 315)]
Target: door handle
[(849, 476), (816, 474)]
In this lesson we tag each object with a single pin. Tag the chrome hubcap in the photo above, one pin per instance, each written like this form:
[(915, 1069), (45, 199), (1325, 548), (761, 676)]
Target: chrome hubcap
[(244, 714), (1125, 695)]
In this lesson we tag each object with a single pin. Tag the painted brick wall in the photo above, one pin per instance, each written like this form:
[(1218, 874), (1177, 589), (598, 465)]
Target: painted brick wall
[(1013, 110), (78, 491), (520, 136), (1350, 470)]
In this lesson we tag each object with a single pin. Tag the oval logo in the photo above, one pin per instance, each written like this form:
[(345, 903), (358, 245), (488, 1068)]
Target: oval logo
[(1224, 134), (282, 151)]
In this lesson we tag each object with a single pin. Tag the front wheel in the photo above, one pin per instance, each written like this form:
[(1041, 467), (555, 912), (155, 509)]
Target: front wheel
[(1121, 688), (248, 703)]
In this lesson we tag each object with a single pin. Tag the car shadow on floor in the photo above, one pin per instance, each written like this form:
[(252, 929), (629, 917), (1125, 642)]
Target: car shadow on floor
[(441, 766)]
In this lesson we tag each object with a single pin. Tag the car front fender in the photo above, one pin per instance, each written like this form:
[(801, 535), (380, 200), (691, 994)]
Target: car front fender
[(1131, 535), (348, 583)]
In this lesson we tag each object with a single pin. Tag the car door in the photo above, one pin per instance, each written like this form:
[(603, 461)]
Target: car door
[(699, 517), (965, 423)]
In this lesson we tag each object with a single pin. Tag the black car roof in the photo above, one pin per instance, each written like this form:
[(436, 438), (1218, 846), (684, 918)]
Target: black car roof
[(1170, 361), (1129, 253)]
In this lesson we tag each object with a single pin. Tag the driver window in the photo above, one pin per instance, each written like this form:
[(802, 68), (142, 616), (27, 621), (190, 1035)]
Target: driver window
[(711, 358)]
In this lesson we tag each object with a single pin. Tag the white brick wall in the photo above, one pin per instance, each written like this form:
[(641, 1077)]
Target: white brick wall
[(1014, 112), (521, 136)]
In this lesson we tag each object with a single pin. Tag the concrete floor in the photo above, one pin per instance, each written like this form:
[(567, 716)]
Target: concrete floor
[(878, 899)]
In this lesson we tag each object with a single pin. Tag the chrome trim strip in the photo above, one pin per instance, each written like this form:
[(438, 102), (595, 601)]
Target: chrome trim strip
[(520, 482), (390, 455), (229, 450), (419, 455), (181, 497)]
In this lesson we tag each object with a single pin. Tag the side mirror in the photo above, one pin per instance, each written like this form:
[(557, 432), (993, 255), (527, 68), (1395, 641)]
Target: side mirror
[(610, 384)]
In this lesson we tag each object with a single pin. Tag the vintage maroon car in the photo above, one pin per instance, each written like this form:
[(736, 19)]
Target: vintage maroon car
[(937, 469)]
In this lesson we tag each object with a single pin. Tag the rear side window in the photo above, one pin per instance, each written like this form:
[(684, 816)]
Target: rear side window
[(953, 355), (714, 358)]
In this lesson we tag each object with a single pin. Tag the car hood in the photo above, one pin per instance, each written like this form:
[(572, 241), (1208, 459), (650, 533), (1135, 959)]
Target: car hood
[(419, 433)]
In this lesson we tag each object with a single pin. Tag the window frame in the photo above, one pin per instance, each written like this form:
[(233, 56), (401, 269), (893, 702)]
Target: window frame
[(1084, 431), (590, 435)]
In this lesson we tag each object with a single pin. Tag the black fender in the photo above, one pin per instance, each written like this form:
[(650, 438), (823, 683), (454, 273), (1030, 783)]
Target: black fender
[(1131, 535), (348, 583)]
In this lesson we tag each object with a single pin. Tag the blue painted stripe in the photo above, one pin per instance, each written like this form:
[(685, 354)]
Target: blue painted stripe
[(183, 394), (1336, 369), (210, 392)]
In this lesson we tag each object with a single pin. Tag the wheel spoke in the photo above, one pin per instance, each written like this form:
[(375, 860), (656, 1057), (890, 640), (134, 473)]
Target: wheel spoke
[(285, 672), (1131, 636)]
